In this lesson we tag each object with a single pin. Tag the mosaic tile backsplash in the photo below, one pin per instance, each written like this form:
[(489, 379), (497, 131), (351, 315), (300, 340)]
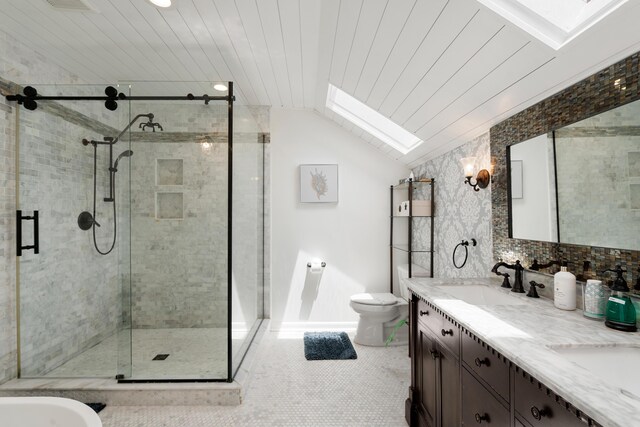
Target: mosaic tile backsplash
[(593, 95)]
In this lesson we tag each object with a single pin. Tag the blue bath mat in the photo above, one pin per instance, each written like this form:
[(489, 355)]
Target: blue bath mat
[(328, 346)]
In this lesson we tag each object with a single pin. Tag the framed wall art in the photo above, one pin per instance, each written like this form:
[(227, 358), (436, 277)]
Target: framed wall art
[(319, 183)]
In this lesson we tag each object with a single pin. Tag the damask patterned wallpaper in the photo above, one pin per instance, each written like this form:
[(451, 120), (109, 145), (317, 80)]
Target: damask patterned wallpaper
[(460, 212)]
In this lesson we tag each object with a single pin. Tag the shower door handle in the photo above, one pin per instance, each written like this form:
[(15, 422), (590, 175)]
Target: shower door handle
[(36, 240)]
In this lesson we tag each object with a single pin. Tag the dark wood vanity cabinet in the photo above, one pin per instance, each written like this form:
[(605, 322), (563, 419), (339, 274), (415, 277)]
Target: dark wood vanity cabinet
[(437, 370), (457, 379)]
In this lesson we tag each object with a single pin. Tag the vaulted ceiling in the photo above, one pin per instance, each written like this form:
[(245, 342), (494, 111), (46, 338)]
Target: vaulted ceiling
[(445, 70)]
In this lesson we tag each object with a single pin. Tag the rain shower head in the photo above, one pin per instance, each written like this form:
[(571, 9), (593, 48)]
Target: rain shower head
[(150, 124), (127, 153)]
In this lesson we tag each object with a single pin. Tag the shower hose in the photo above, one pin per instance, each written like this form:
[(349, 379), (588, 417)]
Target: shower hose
[(115, 222)]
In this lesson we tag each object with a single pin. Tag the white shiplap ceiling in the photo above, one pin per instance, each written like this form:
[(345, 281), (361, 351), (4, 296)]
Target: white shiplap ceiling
[(445, 70)]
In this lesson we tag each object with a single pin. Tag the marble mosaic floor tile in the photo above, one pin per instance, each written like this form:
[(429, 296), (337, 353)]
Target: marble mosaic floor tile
[(284, 389)]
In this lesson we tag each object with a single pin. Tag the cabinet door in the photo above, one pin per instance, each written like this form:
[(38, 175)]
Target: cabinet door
[(479, 406), (427, 375), (449, 388)]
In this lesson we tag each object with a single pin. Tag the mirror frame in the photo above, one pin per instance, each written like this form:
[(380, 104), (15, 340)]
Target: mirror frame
[(555, 188), (593, 95)]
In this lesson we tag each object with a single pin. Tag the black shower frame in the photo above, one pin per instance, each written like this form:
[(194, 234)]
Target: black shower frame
[(229, 98)]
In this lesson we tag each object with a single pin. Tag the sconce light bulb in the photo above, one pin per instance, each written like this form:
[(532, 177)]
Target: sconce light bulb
[(468, 164)]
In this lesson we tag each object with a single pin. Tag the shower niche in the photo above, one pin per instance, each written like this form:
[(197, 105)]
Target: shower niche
[(169, 204)]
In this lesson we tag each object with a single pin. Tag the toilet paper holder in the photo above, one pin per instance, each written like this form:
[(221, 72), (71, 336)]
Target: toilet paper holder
[(322, 264)]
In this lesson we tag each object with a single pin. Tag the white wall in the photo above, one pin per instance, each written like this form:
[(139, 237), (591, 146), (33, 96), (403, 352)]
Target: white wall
[(534, 215), (352, 236)]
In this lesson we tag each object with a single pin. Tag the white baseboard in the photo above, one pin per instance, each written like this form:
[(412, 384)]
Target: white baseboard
[(313, 326)]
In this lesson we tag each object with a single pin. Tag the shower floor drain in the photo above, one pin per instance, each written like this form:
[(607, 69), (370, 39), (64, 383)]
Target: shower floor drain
[(160, 356)]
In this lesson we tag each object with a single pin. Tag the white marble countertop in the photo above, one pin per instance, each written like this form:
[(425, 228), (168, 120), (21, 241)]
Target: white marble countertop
[(524, 333)]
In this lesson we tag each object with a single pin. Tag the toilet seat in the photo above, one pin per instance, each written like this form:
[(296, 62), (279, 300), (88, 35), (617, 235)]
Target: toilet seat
[(380, 299), (376, 303)]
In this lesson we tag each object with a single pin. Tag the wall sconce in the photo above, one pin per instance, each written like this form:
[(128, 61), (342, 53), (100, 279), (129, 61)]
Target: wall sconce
[(482, 179), (205, 145)]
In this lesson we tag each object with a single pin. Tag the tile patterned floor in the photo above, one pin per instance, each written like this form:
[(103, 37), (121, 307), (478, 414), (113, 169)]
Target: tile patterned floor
[(284, 389), (193, 353)]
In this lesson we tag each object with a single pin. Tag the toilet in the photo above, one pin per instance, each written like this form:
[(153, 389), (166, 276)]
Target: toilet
[(379, 314)]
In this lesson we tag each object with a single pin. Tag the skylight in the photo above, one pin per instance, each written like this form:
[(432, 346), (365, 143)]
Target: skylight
[(554, 22), (371, 121)]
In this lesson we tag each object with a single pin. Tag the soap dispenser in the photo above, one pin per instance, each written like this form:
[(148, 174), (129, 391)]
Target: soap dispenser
[(621, 314), (564, 289)]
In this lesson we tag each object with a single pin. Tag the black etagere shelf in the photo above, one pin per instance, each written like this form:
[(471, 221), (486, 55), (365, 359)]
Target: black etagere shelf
[(401, 193)]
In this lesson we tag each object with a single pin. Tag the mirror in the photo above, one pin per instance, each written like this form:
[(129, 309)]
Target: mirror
[(581, 183)]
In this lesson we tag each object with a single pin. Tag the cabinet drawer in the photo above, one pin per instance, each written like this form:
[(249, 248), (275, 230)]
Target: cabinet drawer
[(487, 364), (446, 331), (428, 316), (449, 334), (537, 407), (479, 406)]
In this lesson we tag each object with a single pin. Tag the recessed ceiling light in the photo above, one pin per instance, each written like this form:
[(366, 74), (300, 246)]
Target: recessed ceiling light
[(220, 87), (161, 3)]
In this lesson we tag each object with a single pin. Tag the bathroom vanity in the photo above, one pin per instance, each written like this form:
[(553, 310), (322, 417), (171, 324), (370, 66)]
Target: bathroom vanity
[(484, 355)]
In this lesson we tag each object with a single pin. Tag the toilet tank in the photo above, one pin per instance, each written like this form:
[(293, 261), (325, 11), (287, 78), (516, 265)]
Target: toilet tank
[(403, 273)]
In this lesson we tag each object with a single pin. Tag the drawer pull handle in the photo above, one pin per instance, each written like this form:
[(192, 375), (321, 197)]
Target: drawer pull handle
[(424, 313), (445, 333), (538, 413), (434, 354), (481, 418), (479, 362)]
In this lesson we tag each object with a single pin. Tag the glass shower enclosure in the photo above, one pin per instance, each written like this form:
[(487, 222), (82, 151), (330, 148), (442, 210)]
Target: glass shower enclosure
[(150, 233)]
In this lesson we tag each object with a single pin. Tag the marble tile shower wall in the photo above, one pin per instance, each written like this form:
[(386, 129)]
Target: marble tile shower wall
[(8, 348), (460, 212), (18, 64), (179, 266)]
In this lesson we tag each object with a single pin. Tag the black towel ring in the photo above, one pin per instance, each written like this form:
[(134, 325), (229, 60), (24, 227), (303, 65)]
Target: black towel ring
[(464, 244)]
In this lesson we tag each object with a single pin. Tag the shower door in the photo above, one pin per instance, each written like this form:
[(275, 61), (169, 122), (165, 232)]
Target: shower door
[(70, 297), (179, 313)]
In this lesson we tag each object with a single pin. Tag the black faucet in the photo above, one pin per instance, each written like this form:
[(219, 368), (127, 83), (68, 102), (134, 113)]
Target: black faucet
[(536, 267), (505, 282), (518, 268), (532, 289)]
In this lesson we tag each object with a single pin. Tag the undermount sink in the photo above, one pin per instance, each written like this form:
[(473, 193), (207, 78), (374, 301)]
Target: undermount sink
[(480, 295), (613, 364)]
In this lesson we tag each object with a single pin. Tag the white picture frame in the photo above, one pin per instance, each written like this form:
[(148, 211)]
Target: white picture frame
[(516, 179), (319, 183)]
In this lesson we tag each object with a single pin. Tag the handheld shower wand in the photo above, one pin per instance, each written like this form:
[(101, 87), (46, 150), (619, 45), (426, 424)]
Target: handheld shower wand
[(127, 153)]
